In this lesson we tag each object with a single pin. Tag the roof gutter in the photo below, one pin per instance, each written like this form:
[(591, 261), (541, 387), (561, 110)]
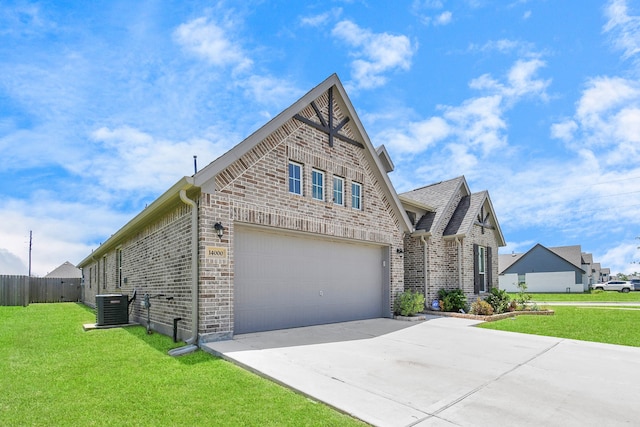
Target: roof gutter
[(154, 209)]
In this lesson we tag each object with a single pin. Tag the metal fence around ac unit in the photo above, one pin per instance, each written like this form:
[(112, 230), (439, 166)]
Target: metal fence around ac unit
[(24, 290)]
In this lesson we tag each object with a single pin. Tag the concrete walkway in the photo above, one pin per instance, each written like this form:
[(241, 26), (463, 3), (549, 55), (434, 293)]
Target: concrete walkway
[(443, 372)]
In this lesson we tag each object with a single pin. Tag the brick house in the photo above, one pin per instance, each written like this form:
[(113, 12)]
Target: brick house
[(296, 225), (455, 239)]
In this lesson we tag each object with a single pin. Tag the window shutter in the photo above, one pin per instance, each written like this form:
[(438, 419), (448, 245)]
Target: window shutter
[(489, 269), (476, 270)]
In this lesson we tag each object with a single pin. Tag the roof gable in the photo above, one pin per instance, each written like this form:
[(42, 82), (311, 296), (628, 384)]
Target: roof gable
[(378, 160), (66, 271), (440, 197), (540, 259), (474, 209), (573, 254)]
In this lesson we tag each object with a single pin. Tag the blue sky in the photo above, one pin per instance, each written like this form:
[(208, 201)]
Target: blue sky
[(103, 105)]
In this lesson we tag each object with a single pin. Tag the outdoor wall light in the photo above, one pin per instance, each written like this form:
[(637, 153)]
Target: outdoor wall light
[(219, 229)]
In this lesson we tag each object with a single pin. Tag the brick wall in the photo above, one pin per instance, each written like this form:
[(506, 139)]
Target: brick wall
[(156, 260)]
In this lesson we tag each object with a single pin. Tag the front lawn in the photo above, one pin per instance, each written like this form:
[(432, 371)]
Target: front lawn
[(593, 296), (54, 373), (612, 325)]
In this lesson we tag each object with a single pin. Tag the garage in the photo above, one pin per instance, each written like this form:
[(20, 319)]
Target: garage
[(285, 280)]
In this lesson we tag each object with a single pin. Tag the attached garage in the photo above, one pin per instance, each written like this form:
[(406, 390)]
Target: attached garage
[(285, 280)]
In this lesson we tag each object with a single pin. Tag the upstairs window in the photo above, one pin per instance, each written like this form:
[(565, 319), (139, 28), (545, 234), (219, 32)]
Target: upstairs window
[(356, 196), (338, 191), (317, 184), (295, 178)]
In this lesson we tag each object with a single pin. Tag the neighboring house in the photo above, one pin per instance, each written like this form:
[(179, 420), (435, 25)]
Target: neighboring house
[(66, 271), (605, 275), (296, 225), (455, 242), (558, 269)]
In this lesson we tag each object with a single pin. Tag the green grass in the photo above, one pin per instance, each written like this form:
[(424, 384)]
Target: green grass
[(596, 296), (54, 373), (599, 324)]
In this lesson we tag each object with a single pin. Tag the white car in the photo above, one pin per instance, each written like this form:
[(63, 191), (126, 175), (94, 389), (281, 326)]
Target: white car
[(613, 285)]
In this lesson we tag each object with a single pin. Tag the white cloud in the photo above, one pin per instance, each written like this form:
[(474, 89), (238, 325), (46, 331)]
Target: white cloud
[(624, 29), (62, 230), (132, 160), (564, 130), (375, 53), (521, 81), (211, 42), (605, 93), (268, 90), (418, 136), (617, 258), (606, 120), (477, 123), (320, 19), (11, 264), (443, 19), (429, 12)]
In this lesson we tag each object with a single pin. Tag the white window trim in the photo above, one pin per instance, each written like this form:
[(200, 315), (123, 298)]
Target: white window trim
[(341, 180), (314, 186), (119, 267), (359, 198), (301, 180), (482, 267)]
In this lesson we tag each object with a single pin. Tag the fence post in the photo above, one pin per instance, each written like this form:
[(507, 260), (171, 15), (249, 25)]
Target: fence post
[(26, 288)]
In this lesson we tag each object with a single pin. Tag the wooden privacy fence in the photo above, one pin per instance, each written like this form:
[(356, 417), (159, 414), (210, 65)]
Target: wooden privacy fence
[(23, 290)]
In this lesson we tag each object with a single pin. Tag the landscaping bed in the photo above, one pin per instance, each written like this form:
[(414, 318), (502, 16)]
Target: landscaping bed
[(493, 317)]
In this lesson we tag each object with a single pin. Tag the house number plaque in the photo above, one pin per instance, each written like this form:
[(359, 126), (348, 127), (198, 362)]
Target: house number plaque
[(216, 252)]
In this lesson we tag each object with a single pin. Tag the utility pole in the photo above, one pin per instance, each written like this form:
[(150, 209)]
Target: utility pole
[(30, 241)]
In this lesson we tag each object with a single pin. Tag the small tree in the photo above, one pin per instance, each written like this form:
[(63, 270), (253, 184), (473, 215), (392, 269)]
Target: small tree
[(523, 298)]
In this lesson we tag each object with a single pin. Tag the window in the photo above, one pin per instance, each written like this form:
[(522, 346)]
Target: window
[(119, 267), (295, 178), (482, 268), (317, 184), (338, 190), (90, 276), (104, 273), (356, 196)]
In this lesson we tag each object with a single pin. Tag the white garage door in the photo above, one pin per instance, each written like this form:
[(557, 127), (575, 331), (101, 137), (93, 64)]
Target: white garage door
[(291, 280)]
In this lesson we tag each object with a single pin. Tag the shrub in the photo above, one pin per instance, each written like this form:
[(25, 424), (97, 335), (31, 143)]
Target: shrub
[(499, 300), (482, 308), (452, 300), (408, 303)]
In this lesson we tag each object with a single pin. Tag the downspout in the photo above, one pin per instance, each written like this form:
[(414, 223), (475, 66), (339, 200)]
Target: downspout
[(425, 263), (459, 246), (192, 343)]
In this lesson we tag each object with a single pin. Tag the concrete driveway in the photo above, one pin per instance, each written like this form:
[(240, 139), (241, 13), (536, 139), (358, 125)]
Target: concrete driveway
[(444, 372)]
